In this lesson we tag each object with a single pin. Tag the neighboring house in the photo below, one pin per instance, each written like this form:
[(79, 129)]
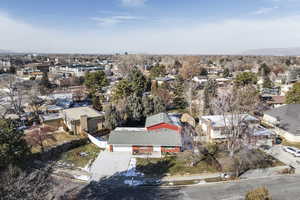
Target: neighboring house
[(162, 134), (214, 126), (83, 119), (285, 120), (52, 120)]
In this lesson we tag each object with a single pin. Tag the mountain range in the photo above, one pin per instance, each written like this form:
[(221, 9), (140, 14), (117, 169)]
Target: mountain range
[(295, 51)]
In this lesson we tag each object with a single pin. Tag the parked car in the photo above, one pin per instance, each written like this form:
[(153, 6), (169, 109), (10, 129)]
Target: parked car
[(297, 153), (292, 150)]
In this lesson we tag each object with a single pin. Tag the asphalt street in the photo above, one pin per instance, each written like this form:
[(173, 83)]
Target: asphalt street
[(280, 187)]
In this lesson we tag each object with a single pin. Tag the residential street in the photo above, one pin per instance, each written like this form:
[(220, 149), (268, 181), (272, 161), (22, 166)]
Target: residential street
[(281, 188)]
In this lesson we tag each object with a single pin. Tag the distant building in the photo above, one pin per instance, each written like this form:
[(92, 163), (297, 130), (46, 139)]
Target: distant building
[(74, 70)]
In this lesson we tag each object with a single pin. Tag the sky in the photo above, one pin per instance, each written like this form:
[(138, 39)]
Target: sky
[(148, 26)]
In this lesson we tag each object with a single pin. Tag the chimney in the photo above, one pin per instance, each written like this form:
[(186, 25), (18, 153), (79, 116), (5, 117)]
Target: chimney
[(84, 123)]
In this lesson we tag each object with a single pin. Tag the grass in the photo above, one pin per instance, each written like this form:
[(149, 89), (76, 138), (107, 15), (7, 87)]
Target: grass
[(159, 167), (214, 179), (73, 156), (53, 140)]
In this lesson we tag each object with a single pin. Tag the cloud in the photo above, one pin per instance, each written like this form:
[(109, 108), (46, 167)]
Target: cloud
[(113, 20), (133, 3), (264, 11), (222, 37)]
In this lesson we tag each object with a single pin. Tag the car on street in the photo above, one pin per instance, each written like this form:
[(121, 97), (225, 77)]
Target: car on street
[(297, 153), (292, 150)]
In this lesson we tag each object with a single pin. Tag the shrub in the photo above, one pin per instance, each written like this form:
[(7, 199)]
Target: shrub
[(260, 193)]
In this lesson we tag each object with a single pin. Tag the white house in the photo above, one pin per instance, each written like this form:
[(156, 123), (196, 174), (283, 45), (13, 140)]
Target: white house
[(214, 126)]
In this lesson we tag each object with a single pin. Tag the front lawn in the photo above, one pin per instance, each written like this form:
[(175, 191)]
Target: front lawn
[(81, 156), (159, 167), (219, 162)]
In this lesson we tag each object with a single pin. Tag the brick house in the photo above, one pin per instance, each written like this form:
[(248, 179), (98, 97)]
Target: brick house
[(162, 134), (163, 120)]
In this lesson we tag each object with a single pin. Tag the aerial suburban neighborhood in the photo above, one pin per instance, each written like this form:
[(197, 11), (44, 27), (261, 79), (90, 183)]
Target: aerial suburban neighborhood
[(150, 104)]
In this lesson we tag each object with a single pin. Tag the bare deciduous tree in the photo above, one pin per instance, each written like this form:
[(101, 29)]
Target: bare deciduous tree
[(234, 106), (16, 184), (39, 135), (13, 95)]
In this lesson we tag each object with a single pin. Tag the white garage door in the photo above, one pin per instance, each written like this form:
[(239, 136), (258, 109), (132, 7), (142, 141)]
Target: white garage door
[(157, 149), (122, 149)]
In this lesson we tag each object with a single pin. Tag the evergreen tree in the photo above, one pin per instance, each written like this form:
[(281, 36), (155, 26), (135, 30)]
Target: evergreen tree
[(267, 82), (264, 69), (226, 73), (293, 95), (246, 78), (135, 106), (111, 117), (179, 100), (159, 106), (148, 105), (210, 91), (138, 81), (122, 89), (95, 81), (13, 147), (157, 71), (203, 72)]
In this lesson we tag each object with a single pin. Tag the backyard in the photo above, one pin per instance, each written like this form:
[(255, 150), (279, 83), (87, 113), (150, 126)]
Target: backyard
[(48, 140)]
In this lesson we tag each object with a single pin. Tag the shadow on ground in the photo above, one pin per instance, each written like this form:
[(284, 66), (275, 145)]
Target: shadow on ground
[(114, 187)]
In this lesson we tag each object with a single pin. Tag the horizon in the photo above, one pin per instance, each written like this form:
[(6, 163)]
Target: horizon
[(149, 26)]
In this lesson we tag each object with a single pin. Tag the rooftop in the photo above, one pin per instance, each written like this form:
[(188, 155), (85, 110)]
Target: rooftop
[(220, 120), (162, 118), (288, 117), (76, 113), (50, 117), (162, 137)]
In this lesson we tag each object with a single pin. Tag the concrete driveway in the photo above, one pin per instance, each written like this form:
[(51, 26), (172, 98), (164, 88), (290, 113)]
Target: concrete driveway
[(285, 157), (110, 163)]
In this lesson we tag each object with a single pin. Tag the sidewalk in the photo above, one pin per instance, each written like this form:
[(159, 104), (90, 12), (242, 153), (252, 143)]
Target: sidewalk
[(191, 177), (256, 173)]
